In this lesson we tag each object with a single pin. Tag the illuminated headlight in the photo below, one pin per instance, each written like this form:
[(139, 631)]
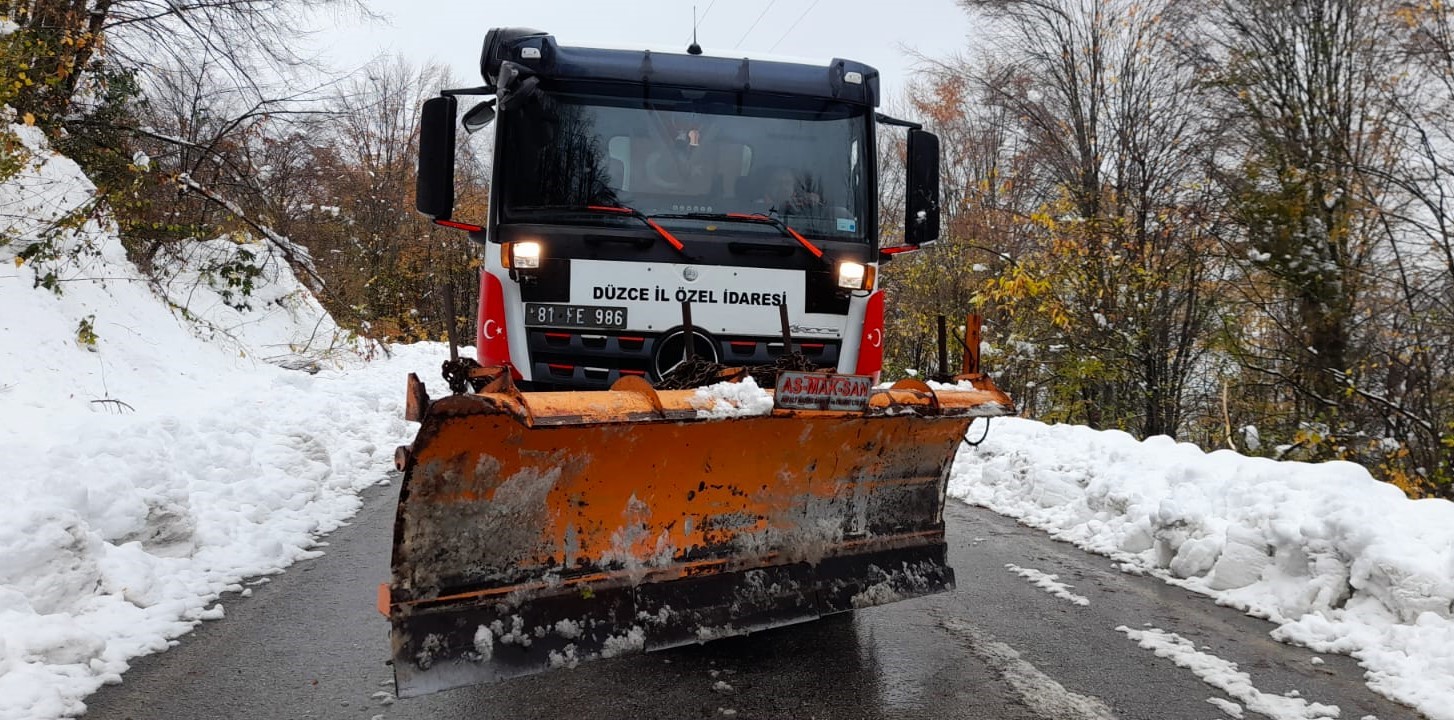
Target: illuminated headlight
[(525, 255), (850, 275)]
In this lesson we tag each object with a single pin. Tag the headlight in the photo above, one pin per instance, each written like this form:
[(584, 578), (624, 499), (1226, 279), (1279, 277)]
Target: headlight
[(851, 275), (525, 255)]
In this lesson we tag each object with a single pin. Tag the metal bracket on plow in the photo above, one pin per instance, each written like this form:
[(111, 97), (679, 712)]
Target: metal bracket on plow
[(493, 380), (416, 405), (497, 379), (638, 386), (914, 393), (970, 370), (497, 390), (416, 399)]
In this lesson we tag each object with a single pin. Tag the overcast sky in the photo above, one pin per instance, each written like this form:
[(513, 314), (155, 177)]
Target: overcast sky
[(874, 32)]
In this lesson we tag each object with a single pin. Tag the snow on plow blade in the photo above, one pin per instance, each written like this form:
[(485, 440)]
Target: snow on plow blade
[(541, 530)]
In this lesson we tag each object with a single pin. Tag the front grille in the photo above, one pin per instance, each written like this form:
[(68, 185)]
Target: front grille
[(594, 360)]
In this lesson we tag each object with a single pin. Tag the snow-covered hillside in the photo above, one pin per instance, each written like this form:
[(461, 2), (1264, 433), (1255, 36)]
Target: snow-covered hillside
[(1341, 562), (152, 457)]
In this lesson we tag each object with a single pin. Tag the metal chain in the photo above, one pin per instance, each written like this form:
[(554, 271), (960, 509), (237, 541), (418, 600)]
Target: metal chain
[(697, 372), (457, 374), (694, 373)]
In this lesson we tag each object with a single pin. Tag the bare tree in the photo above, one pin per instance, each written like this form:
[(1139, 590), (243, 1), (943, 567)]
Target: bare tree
[(1117, 283), (251, 38), (392, 261), (982, 197), (1404, 381), (1300, 82)]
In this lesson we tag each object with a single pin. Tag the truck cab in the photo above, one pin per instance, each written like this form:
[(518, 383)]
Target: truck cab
[(650, 206)]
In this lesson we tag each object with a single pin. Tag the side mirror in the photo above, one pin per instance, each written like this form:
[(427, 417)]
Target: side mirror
[(434, 185), (479, 116), (921, 205)]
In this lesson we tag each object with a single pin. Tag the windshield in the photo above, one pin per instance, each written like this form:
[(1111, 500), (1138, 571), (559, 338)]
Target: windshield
[(676, 151)]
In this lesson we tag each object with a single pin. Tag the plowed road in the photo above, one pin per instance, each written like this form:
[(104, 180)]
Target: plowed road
[(309, 644)]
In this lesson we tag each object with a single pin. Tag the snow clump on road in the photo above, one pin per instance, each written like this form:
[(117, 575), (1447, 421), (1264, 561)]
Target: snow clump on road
[(1048, 582), (1228, 678)]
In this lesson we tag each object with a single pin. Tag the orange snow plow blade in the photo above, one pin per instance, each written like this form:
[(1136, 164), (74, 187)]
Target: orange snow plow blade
[(545, 529)]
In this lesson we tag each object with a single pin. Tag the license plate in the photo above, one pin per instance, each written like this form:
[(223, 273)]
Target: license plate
[(575, 316)]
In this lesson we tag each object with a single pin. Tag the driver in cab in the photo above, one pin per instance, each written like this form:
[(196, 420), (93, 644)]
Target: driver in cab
[(782, 193)]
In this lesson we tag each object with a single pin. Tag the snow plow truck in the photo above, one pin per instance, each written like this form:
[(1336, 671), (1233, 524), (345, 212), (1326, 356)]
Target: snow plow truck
[(673, 430)]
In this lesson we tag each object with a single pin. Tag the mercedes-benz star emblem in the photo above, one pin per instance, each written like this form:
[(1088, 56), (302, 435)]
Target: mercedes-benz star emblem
[(671, 350)]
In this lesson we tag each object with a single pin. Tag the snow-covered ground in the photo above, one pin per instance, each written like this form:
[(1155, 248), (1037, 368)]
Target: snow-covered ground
[(157, 461), (1341, 562), (154, 459)]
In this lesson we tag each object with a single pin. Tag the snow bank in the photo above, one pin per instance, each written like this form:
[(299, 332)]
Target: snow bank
[(1340, 561), (134, 340), (157, 459)]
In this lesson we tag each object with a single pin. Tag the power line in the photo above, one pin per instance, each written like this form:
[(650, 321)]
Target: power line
[(754, 23), (795, 24)]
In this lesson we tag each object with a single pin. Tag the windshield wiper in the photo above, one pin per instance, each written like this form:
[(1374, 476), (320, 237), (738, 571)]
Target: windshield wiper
[(632, 212), (620, 210), (759, 219)]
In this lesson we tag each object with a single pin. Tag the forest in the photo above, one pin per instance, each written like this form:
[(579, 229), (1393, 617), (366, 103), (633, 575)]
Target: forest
[(1226, 221)]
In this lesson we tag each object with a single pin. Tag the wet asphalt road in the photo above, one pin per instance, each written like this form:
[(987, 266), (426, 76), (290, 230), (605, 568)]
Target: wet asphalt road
[(309, 644)]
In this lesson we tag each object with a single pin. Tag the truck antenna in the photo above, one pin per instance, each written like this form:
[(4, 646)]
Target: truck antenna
[(694, 48)]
